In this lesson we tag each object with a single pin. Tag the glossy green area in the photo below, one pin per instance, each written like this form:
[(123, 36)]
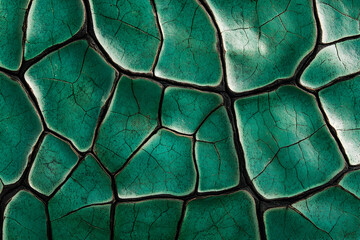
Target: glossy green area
[(127, 31), (338, 19), (18, 119), (350, 182), (189, 52), (221, 217), (154, 219), (86, 223), (88, 184), (12, 15), (51, 22), (342, 106), (334, 211), (164, 165), (24, 218), (53, 162), (215, 153), (287, 223), (297, 150), (332, 62), (71, 86), (263, 40), (131, 118), (183, 109)]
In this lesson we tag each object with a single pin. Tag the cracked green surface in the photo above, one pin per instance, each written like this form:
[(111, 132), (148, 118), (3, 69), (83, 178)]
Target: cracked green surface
[(179, 119)]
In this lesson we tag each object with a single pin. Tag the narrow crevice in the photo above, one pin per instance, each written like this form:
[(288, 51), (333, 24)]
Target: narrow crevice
[(339, 79), (260, 218), (24, 29), (112, 221), (158, 25), (66, 140), (181, 220), (104, 110), (48, 221)]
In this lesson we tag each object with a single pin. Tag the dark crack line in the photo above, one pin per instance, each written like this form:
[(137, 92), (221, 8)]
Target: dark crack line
[(158, 25)]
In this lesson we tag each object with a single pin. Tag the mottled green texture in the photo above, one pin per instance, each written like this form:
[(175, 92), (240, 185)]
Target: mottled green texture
[(184, 109), (51, 22), (297, 150), (351, 182), (88, 184), (153, 220), (164, 165), (87, 223), (334, 211), (332, 62), (263, 40), (286, 223), (221, 217), (338, 19), (189, 51), (71, 85), (12, 15), (19, 129), (127, 31), (215, 153), (24, 218), (131, 118), (53, 162), (342, 106)]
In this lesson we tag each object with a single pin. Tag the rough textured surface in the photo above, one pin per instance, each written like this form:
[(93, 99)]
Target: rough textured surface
[(179, 119)]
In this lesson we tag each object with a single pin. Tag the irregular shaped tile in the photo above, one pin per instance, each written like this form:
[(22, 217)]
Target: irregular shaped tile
[(285, 223), (52, 164), (51, 22), (71, 85), (297, 150), (19, 120), (263, 40), (332, 62), (88, 184), (154, 219), (351, 182), (24, 218), (127, 30), (184, 109), (164, 165), (334, 211), (12, 15), (338, 19), (131, 118), (341, 103), (87, 223), (221, 217), (189, 51), (215, 153)]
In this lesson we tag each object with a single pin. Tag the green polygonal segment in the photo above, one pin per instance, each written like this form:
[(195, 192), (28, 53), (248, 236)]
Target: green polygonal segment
[(189, 51), (12, 15), (334, 211), (338, 19), (332, 62), (88, 184), (19, 129), (263, 40), (164, 165), (88, 223), (215, 153), (127, 30), (131, 118), (71, 86), (286, 223), (341, 103), (221, 217), (297, 151), (24, 218), (153, 220), (351, 182), (184, 109), (53, 162), (51, 22)]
